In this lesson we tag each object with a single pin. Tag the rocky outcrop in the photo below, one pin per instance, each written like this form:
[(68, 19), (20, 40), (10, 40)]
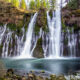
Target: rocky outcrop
[(38, 51), (71, 18), (41, 21), (11, 14)]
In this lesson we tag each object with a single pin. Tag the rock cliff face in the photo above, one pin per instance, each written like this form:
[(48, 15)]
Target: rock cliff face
[(71, 18), (71, 30), (9, 13)]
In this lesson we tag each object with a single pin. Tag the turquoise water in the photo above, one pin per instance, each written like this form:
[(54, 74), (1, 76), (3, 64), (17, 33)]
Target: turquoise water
[(60, 66)]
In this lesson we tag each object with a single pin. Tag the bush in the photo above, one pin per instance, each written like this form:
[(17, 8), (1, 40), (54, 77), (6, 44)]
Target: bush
[(73, 4)]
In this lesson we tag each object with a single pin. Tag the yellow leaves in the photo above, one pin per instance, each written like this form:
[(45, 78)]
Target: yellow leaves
[(23, 4)]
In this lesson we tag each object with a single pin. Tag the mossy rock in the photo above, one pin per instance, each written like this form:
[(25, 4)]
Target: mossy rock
[(41, 21), (38, 51), (61, 77), (52, 77), (51, 13)]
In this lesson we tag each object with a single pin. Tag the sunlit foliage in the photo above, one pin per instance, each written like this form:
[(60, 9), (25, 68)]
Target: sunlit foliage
[(32, 4), (8, 1), (15, 3), (39, 3), (23, 4)]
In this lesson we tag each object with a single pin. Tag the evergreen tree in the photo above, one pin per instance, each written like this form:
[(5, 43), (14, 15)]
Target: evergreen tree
[(23, 4)]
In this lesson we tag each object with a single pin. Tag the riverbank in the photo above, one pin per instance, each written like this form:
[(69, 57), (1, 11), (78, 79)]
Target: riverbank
[(37, 75)]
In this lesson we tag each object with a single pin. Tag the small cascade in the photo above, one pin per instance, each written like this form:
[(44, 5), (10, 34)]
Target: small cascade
[(26, 53), (72, 43), (2, 32), (10, 43)]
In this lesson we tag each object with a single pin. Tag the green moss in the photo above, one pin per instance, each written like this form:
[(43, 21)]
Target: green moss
[(1, 46), (1, 24), (51, 13), (41, 21), (11, 26), (36, 29)]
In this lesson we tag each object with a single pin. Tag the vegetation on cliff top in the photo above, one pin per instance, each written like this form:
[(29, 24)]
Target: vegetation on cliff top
[(73, 4)]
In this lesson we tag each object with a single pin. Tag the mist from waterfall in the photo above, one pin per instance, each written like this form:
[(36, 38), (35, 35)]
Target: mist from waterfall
[(26, 53)]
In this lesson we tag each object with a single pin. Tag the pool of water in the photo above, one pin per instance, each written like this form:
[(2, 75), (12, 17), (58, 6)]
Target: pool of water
[(56, 66)]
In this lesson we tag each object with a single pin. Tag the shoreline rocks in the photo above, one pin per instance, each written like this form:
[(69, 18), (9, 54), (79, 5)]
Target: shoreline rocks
[(32, 75)]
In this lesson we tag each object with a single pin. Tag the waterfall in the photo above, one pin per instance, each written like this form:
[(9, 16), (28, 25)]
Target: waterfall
[(26, 53), (54, 32), (10, 42)]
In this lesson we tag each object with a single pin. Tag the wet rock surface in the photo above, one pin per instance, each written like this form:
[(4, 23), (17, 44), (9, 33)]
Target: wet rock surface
[(36, 75), (38, 51)]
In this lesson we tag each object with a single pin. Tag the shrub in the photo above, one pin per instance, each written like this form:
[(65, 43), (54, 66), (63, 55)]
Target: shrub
[(73, 4)]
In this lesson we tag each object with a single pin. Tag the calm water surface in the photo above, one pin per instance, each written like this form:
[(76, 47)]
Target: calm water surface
[(60, 66)]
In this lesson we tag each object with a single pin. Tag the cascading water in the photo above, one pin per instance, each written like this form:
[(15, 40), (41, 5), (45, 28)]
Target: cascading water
[(26, 53), (10, 42), (55, 32)]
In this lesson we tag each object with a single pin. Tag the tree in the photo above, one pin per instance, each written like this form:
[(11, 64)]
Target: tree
[(32, 5), (8, 1), (48, 4), (15, 3), (23, 4), (38, 4), (43, 3)]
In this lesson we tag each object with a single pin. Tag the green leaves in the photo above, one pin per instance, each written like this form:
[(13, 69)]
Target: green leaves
[(39, 3), (32, 5), (15, 3), (8, 1), (73, 4), (23, 4)]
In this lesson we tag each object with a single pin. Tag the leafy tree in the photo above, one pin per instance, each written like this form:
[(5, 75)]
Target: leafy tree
[(38, 4), (48, 4), (32, 5), (23, 4), (15, 3), (43, 3)]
